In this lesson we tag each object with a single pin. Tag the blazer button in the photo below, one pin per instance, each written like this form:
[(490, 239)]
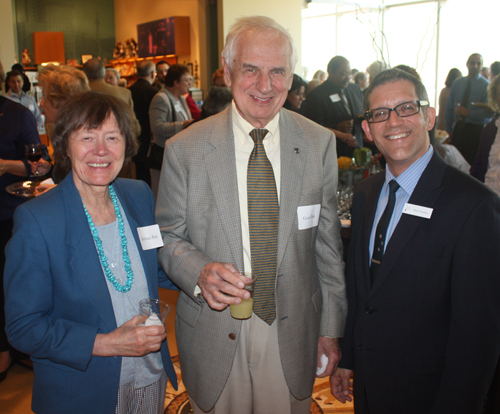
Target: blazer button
[(360, 347), (369, 310), (232, 336)]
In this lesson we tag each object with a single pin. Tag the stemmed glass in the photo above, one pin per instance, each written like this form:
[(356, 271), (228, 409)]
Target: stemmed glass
[(34, 153)]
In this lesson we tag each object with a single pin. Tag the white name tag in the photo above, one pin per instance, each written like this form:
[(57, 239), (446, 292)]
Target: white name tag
[(31, 107), (419, 211), (335, 97), (150, 237), (308, 216), (178, 107)]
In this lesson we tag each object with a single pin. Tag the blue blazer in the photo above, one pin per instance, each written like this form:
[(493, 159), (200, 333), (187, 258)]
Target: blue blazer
[(57, 299)]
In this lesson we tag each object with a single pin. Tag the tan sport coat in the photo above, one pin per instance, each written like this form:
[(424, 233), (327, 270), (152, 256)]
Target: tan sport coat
[(198, 213)]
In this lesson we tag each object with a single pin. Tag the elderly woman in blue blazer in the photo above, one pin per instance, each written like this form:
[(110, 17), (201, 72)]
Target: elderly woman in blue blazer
[(76, 270)]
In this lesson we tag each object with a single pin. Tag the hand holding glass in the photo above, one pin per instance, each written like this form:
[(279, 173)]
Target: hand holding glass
[(154, 312), (244, 309), (33, 153)]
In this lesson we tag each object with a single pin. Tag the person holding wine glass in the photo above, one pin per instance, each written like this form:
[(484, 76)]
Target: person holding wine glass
[(17, 128), (75, 310)]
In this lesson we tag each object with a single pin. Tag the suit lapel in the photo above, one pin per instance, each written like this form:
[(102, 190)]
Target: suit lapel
[(425, 194), (84, 261), (293, 153), (220, 162)]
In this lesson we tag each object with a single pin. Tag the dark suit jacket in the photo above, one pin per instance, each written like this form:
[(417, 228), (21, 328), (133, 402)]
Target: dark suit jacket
[(57, 299), (319, 107), (142, 95), (426, 337)]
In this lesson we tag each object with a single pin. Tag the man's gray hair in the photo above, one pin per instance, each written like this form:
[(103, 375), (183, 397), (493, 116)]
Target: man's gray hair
[(145, 68), (94, 69), (254, 26), (117, 74)]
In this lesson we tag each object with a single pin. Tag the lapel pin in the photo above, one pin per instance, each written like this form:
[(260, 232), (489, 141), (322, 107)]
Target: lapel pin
[(297, 150)]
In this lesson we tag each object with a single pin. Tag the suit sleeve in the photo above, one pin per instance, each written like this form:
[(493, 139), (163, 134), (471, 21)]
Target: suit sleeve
[(29, 293), (329, 252), (473, 343), (178, 256)]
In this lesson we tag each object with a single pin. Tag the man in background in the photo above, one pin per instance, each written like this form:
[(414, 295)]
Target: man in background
[(15, 93), (423, 326), (463, 120), (142, 94), (162, 68), (336, 107)]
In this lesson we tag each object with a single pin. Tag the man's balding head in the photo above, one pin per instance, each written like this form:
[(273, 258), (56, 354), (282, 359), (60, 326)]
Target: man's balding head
[(94, 69)]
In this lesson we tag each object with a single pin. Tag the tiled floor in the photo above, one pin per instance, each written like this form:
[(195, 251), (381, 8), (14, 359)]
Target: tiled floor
[(15, 391)]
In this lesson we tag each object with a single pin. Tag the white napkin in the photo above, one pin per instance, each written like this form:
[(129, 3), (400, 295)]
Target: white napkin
[(153, 320), (324, 363)]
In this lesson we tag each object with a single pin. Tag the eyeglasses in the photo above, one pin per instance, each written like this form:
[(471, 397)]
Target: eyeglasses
[(403, 110), (187, 79)]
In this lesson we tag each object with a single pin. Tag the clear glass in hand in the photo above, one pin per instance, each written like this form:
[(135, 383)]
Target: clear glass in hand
[(33, 153)]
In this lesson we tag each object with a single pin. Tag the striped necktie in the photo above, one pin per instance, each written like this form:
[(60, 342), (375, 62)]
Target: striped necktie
[(263, 217), (379, 243)]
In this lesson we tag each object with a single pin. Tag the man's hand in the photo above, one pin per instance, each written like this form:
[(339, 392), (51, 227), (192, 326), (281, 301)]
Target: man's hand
[(220, 287), (462, 111), (341, 385), (330, 348), (346, 126)]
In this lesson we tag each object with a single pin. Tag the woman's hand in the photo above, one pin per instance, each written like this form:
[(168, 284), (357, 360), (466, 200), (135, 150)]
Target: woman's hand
[(130, 340)]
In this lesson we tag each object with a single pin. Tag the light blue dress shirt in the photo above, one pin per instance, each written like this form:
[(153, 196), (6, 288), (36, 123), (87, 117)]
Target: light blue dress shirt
[(407, 181), (478, 93)]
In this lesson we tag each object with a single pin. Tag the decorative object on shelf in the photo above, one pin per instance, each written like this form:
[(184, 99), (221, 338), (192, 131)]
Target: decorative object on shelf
[(118, 51), (72, 62), (130, 48), (26, 60)]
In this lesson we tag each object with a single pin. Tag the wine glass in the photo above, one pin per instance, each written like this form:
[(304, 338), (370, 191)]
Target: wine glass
[(33, 153)]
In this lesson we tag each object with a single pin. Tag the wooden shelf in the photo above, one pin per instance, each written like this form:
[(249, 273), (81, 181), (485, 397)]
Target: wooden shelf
[(128, 66)]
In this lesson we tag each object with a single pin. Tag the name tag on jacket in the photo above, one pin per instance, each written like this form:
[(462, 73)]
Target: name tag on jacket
[(419, 211), (150, 237), (335, 97), (308, 216)]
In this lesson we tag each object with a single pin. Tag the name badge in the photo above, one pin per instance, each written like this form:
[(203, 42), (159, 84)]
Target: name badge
[(308, 216), (178, 107), (150, 237), (419, 211), (31, 107), (335, 97)]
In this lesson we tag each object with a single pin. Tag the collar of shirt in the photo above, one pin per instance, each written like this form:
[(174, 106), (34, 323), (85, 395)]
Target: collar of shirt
[(19, 96), (243, 128), (409, 178), (407, 181)]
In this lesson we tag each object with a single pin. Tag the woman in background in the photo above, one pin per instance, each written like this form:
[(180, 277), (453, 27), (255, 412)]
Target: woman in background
[(444, 94), (296, 94)]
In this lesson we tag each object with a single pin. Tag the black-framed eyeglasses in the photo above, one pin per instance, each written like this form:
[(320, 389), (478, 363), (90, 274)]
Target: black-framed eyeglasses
[(403, 110)]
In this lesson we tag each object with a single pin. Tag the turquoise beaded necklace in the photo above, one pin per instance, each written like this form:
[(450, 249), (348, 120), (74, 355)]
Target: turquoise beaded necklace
[(100, 250)]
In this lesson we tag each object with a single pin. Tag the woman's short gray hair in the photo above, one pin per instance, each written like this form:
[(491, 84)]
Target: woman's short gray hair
[(253, 26), (493, 93)]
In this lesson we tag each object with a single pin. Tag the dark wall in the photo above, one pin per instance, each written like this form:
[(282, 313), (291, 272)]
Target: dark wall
[(88, 25)]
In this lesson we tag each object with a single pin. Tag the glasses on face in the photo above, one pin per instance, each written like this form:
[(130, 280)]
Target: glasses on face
[(187, 79), (403, 110)]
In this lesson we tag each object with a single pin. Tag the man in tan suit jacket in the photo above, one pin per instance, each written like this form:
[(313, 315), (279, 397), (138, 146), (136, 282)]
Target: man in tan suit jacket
[(253, 366)]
